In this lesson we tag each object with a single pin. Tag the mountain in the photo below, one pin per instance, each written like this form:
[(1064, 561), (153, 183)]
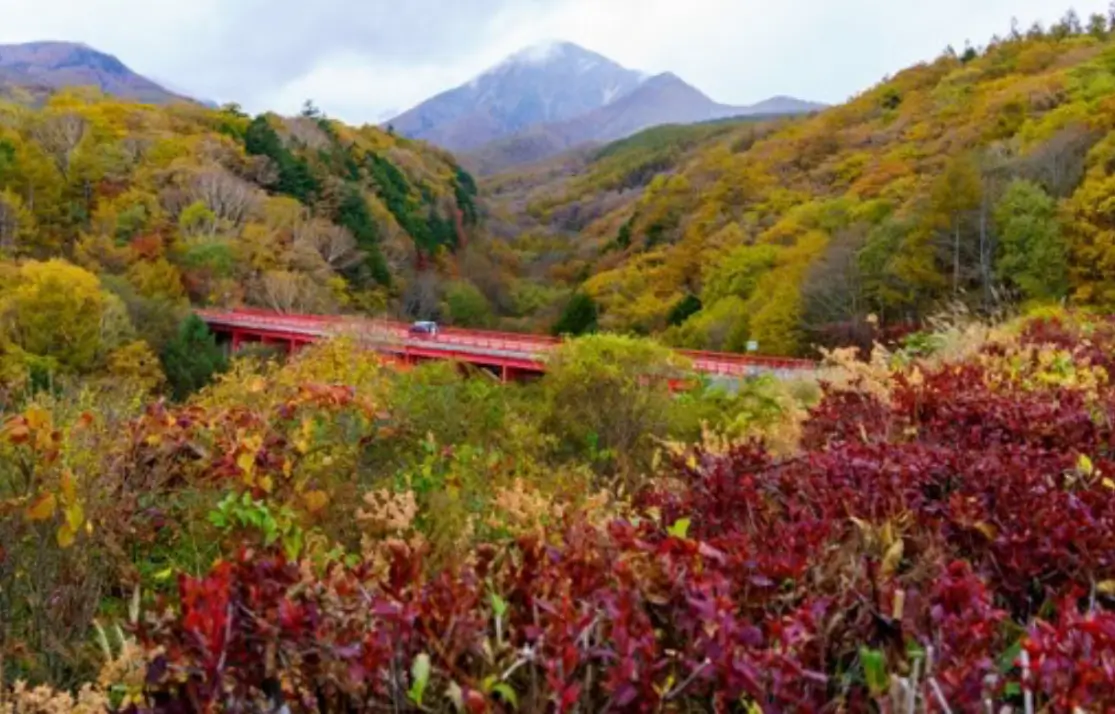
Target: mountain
[(978, 179), (43, 67), (548, 98), (661, 99), (545, 83)]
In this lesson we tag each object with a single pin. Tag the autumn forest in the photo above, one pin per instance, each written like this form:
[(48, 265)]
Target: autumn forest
[(925, 522)]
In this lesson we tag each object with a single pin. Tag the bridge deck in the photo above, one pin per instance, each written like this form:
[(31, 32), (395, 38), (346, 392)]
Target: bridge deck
[(498, 349)]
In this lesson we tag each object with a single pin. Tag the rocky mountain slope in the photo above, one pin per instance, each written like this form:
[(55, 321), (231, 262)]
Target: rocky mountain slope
[(548, 98), (545, 83), (660, 100), (42, 67)]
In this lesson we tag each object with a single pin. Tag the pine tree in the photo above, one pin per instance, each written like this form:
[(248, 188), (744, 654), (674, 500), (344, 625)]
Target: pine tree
[(579, 318), (192, 357)]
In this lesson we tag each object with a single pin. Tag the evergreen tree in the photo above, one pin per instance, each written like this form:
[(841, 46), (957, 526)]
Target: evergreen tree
[(353, 214), (683, 309), (192, 357), (295, 177), (579, 318)]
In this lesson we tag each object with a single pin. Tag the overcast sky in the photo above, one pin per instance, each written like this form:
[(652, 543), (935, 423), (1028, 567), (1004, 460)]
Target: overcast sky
[(365, 60)]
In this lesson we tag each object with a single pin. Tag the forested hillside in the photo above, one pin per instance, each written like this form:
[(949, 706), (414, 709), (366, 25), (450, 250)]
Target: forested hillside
[(927, 527), (168, 206), (984, 176)]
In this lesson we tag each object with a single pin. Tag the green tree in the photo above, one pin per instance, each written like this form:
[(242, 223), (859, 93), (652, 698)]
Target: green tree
[(466, 305), (192, 357), (684, 309), (739, 272), (1032, 254), (295, 177), (579, 317), (353, 214), (609, 396)]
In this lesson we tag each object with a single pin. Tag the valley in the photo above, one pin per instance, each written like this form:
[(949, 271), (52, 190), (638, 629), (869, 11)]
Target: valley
[(569, 389)]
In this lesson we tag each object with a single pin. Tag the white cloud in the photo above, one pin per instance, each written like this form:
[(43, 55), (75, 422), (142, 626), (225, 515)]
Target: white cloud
[(360, 59)]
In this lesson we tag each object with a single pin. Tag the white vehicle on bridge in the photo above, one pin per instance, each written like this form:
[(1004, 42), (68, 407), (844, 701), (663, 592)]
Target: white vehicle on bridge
[(423, 328)]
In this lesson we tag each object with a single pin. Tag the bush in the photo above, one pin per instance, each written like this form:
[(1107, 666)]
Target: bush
[(607, 398), (947, 539)]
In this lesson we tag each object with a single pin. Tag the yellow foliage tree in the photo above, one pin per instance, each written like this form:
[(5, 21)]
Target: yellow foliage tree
[(54, 312)]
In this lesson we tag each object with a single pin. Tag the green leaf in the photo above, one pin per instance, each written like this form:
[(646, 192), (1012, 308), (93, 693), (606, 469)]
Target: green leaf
[(914, 650), (680, 528), (499, 605), (164, 574), (507, 694), (1009, 657), (1013, 689), (292, 544), (874, 670), (420, 672)]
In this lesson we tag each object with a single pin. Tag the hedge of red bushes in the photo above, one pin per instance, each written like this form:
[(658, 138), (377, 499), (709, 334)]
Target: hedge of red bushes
[(951, 546)]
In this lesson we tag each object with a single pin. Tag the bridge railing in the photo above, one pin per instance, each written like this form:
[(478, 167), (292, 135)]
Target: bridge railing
[(534, 346), (730, 360)]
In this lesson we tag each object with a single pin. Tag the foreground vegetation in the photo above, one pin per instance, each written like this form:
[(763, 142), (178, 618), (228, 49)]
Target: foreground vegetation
[(936, 528), (104, 488)]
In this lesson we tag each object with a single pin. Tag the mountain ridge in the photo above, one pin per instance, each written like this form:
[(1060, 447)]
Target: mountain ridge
[(662, 99), (554, 81), (46, 66), (553, 96)]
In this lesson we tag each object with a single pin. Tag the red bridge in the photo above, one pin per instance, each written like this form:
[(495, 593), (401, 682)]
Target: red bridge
[(510, 355)]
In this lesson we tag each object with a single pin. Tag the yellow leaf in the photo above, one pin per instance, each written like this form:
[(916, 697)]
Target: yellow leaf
[(892, 559), (69, 490), (887, 534), (41, 508), (316, 500), (1108, 483), (899, 604), (257, 385), (1107, 587), (247, 462), (37, 417), (75, 516), (266, 484), (989, 531), (66, 535), (1084, 465)]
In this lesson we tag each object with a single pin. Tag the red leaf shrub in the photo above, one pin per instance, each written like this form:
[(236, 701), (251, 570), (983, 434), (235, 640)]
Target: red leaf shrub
[(914, 542)]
